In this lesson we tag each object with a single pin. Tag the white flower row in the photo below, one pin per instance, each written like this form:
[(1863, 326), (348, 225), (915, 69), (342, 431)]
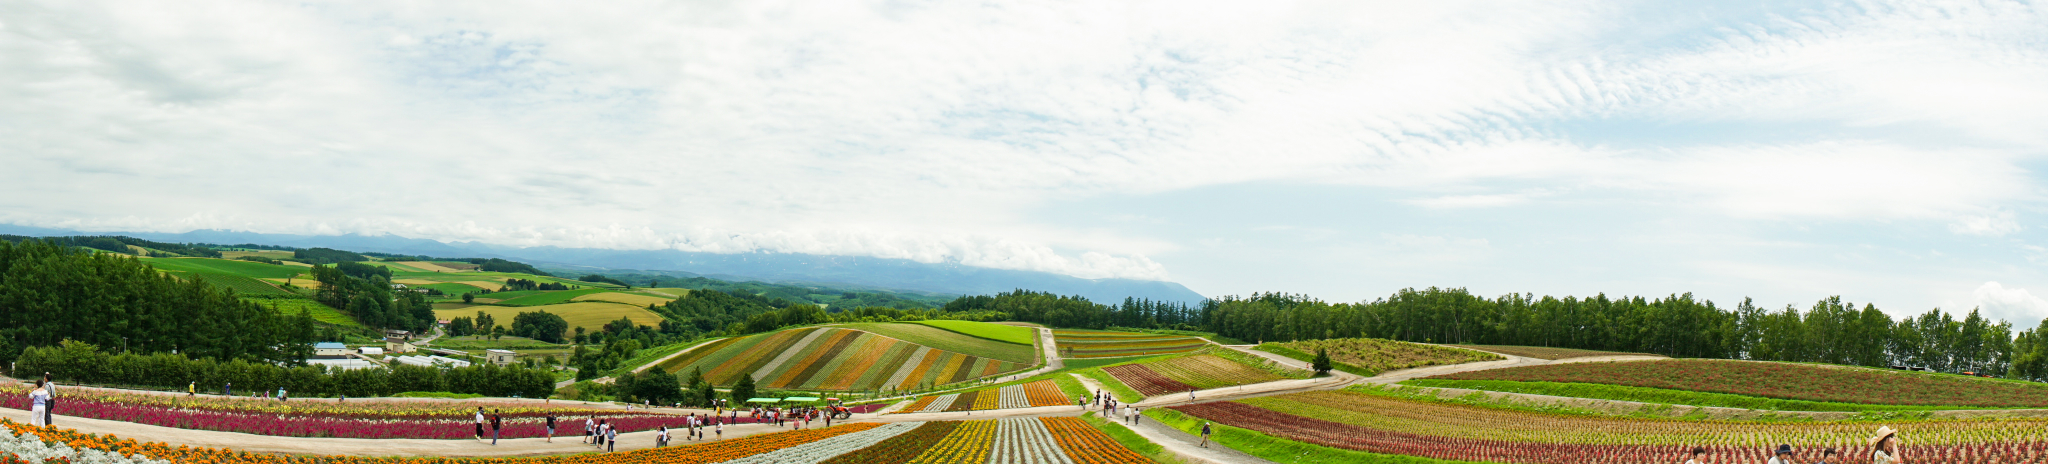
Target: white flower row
[(821, 450), (32, 449), (1026, 441), (941, 403), (1012, 397)]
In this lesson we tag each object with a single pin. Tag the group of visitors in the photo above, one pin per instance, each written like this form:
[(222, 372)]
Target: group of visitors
[(601, 433), (497, 422), (1884, 450), (693, 428)]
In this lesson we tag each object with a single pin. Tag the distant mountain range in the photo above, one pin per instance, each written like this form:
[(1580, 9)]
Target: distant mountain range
[(766, 267)]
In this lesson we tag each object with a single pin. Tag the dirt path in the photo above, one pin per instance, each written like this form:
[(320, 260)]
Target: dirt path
[(1175, 441), (664, 359)]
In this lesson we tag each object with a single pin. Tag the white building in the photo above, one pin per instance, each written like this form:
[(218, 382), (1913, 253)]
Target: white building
[(345, 364), (326, 349), (501, 357)]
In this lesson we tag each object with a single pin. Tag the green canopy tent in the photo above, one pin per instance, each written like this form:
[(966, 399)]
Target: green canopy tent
[(763, 400), (800, 399)]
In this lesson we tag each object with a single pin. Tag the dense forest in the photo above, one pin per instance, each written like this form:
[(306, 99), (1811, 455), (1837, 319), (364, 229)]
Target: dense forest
[(119, 244), (364, 291), (51, 292)]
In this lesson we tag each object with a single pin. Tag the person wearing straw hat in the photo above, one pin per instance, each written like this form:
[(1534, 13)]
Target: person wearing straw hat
[(1783, 456), (1885, 446)]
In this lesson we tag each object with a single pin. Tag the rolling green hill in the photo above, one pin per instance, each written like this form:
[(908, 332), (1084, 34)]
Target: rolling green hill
[(224, 267)]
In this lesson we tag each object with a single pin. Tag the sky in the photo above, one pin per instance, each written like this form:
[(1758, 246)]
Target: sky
[(1886, 152)]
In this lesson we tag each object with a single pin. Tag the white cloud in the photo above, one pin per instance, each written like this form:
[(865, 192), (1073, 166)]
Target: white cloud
[(1995, 224), (2015, 305), (926, 130)]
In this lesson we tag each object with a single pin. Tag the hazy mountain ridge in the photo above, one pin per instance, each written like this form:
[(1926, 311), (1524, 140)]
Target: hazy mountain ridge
[(768, 267)]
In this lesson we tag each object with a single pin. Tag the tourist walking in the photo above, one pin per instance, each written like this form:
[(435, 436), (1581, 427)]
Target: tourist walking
[(1137, 414), (602, 428), (611, 439), (1783, 456), (1827, 456), (479, 423), (589, 426), (1885, 446), (496, 421), (1205, 434), (720, 430), (228, 389), (1696, 452), (551, 427), (661, 437), (283, 396), (192, 389), (39, 404)]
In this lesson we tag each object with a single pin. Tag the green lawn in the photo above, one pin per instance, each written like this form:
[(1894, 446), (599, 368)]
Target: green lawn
[(224, 267), (242, 285), (997, 332), (951, 341), (319, 311), (548, 297)]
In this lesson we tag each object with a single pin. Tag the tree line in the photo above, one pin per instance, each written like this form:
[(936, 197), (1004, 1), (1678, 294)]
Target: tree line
[(51, 291), (364, 292), (80, 362)]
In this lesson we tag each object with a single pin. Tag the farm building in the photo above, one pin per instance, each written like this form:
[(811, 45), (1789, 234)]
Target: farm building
[(329, 350), (501, 357), (397, 345), (430, 361), (370, 351)]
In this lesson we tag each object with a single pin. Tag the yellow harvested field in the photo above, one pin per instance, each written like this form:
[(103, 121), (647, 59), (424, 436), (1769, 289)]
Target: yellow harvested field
[(426, 266), (634, 299), (493, 286), (451, 306), (678, 292), (587, 314)]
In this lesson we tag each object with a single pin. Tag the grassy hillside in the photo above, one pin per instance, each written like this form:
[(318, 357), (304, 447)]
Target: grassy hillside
[(635, 299), (319, 311), (997, 332), (948, 340), (546, 297), (224, 267), (1804, 382), (590, 315), (837, 359)]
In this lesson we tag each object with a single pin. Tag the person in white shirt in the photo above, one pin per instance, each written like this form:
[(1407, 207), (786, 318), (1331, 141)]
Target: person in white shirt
[(661, 437), (589, 427), (1696, 452), (39, 400)]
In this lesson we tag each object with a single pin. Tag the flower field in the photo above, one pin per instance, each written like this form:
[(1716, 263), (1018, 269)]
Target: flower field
[(1364, 421), (839, 359), (1145, 381), (1785, 381), (431, 420), (1196, 372), (1027, 395), (1372, 356), (1103, 344), (1543, 352), (705, 453), (1062, 440)]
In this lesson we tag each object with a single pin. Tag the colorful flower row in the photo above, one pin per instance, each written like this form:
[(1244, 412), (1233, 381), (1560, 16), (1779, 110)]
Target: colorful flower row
[(315, 425), (1365, 421), (705, 453), (1145, 381), (15, 396), (1785, 381)]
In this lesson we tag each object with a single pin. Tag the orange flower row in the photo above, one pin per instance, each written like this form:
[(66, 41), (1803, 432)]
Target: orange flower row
[(1086, 445)]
